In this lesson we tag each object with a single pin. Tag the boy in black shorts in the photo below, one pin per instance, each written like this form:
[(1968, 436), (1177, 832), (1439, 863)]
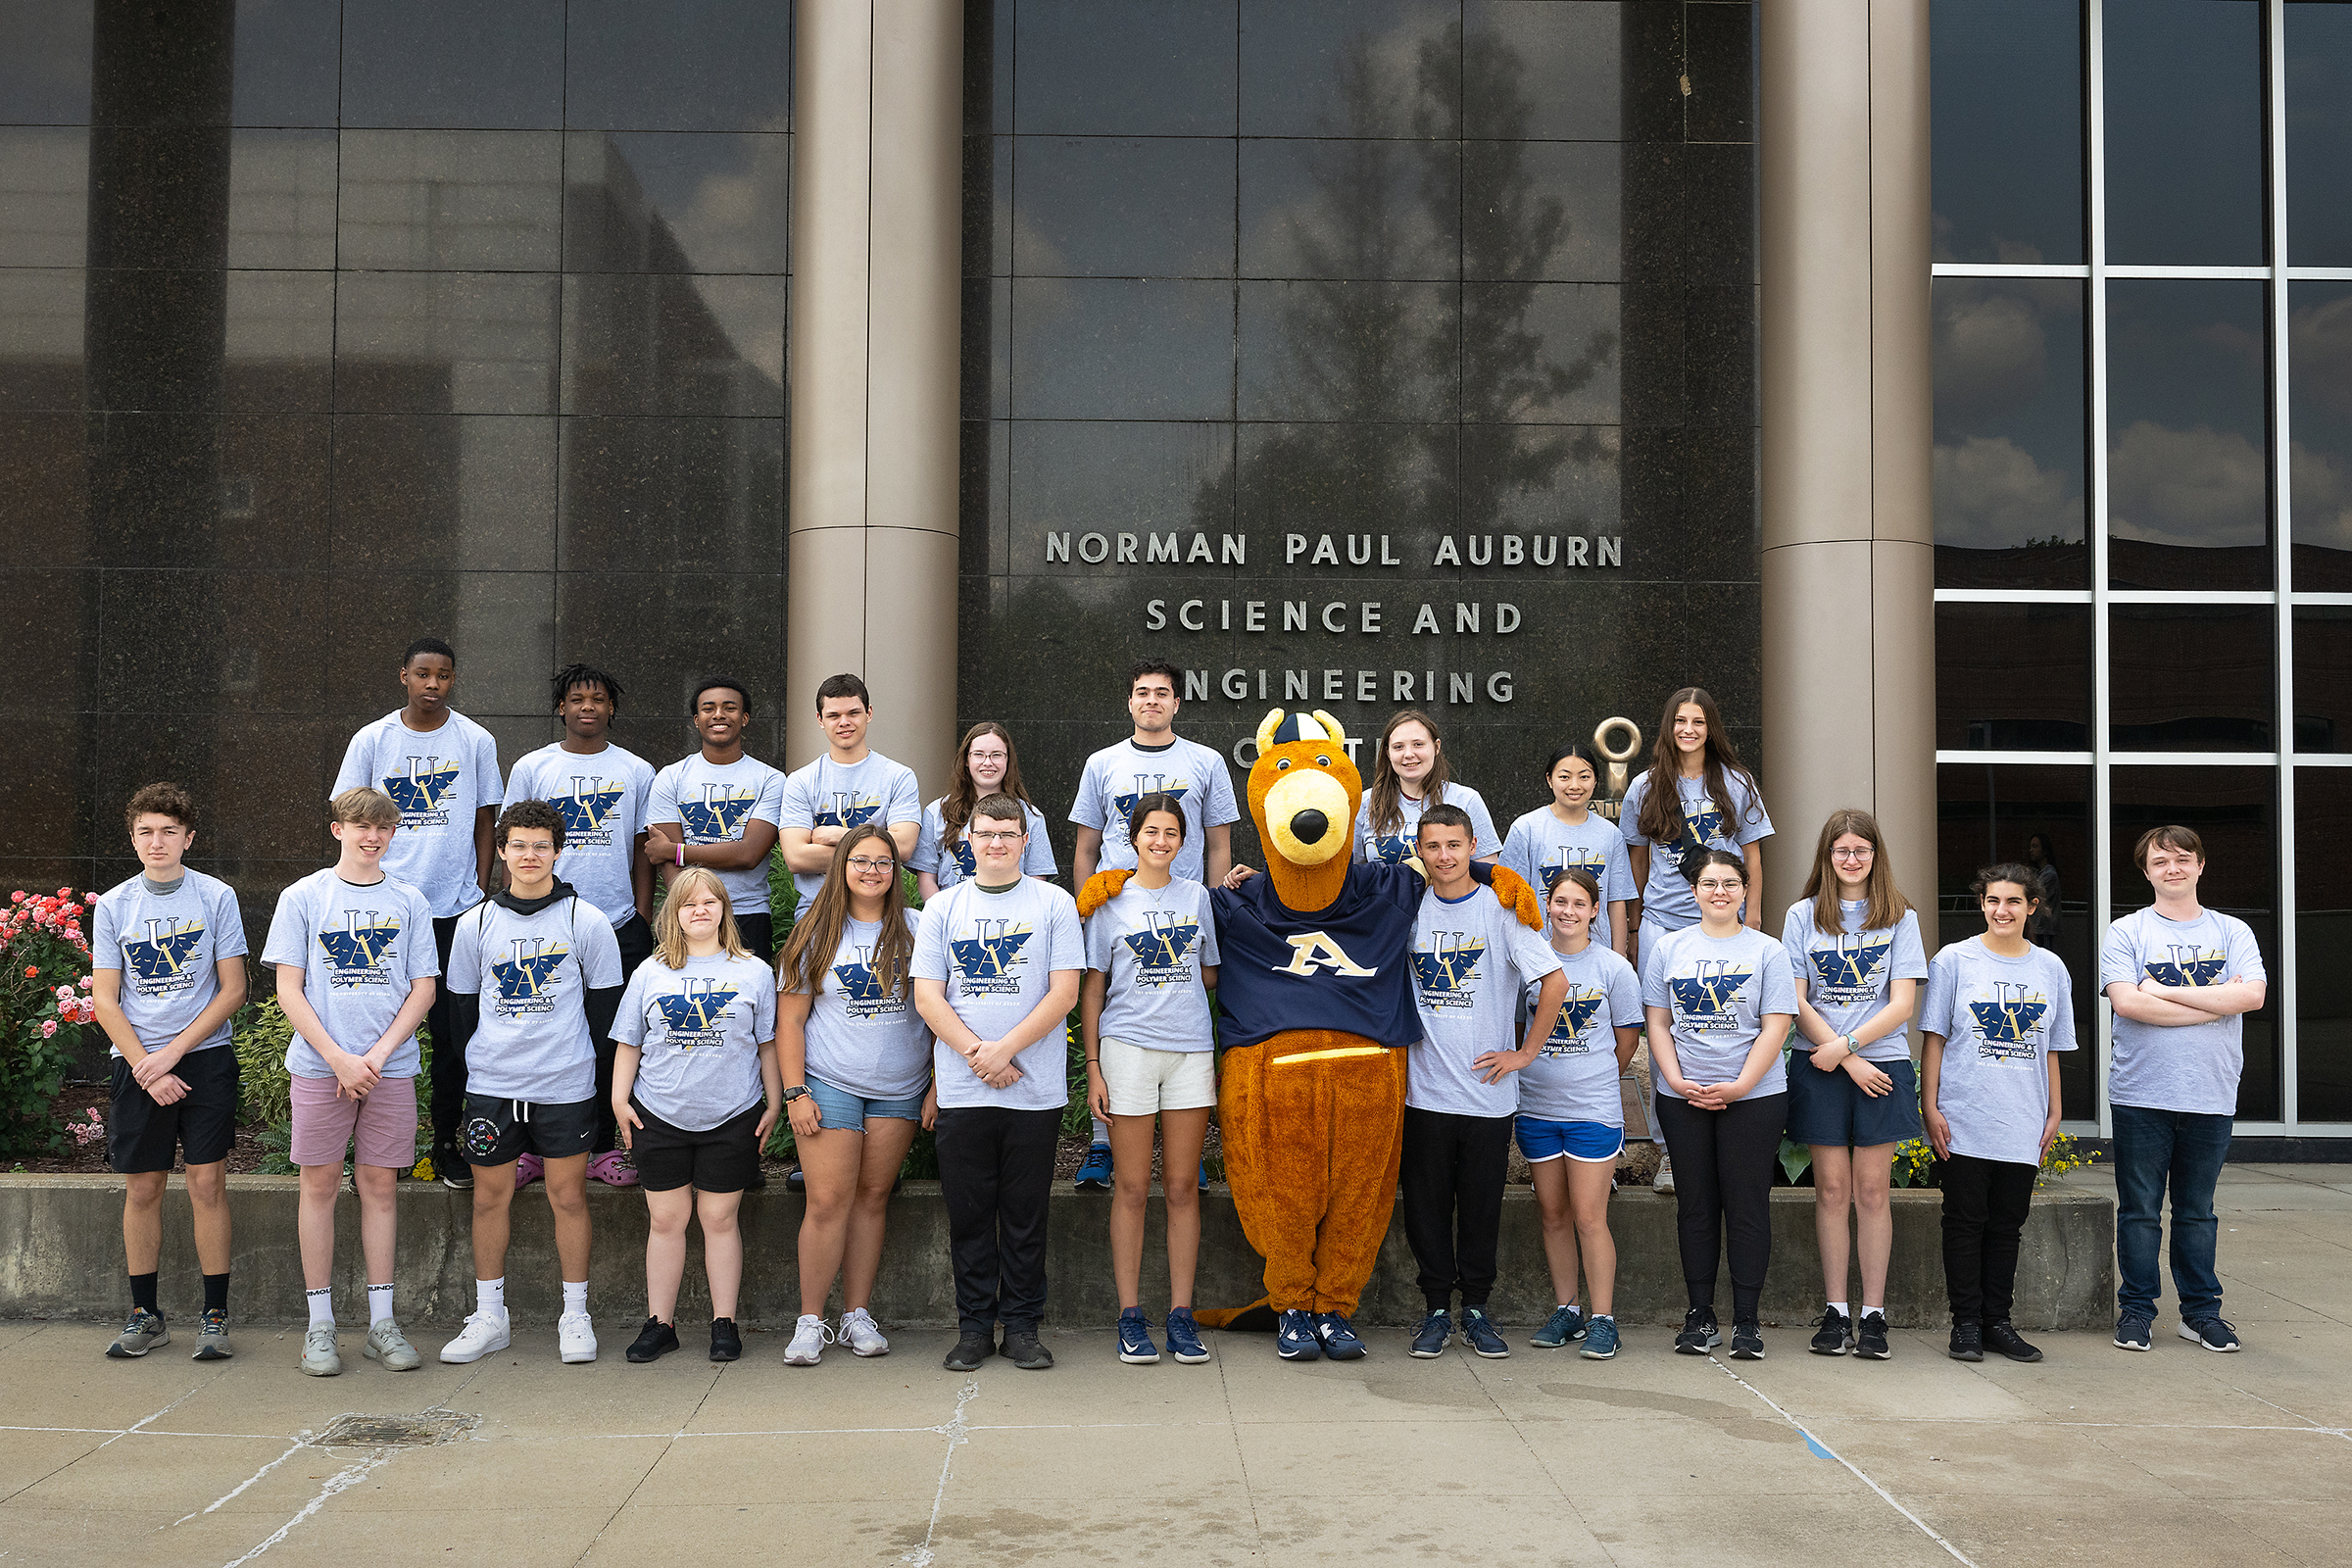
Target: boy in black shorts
[(536, 977), (168, 949)]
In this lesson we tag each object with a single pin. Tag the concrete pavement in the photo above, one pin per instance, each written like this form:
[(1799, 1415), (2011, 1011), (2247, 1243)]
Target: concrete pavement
[(2179, 1457)]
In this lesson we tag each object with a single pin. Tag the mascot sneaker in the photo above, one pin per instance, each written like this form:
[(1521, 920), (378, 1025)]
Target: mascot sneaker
[(1339, 1337), (1294, 1339)]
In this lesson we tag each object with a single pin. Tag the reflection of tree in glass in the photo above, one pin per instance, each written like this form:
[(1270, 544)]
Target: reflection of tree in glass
[(1366, 353)]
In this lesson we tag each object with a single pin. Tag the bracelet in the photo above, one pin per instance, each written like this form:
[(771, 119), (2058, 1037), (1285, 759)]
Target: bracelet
[(681, 853)]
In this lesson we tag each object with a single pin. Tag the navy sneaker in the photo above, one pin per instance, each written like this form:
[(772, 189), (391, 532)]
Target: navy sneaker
[(1204, 1175), (1479, 1330), (1699, 1333), (2213, 1333), (1338, 1334), (1600, 1340), (1135, 1338), (1295, 1338), (1565, 1325), (1184, 1337), (1093, 1171), (2132, 1332), (1835, 1335), (1436, 1330)]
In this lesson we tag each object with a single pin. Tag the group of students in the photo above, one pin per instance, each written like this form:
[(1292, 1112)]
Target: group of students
[(582, 1028)]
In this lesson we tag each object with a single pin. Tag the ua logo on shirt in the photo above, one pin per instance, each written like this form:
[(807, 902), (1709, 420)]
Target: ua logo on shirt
[(423, 788), (522, 980), (358, 951), (1569, 858), (2006, 1026), (1390, 848), (162, 959), (1150, 784), (1311, 950), (990, 954), (964, 858), (718, 817), (1850, 969), (862, 987), (695, 1012), (1163, 944), (1448, 967), (2190, 966), (1711, 992), (585, 807), (848, 808), (1576, 1014), (1706, 822)]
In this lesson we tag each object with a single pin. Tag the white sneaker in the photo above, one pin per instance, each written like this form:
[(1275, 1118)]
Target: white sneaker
[(1664, 1181), (808, 1341), (320, 1355), (484, 1331), (575, 1336), (860, 1334)]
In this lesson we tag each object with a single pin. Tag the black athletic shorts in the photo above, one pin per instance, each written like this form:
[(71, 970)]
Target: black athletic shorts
[(497, 1132), (721, 1160), (140, 1135)]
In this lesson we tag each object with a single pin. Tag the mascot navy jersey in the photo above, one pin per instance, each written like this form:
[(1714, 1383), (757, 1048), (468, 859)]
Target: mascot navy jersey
[(1336, 968)]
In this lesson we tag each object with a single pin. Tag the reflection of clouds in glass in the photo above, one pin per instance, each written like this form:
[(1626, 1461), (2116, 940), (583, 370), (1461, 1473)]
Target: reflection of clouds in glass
[(1991, 355), (2320, 348), (2200, 487), (1990, 494), (731, 223), (2322, 487)]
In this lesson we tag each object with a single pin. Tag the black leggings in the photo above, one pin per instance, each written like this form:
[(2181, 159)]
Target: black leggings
[(1723, 1174)]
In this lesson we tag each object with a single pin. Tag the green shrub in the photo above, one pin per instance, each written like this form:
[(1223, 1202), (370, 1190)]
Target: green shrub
[(44, 1002), (260, 1037)]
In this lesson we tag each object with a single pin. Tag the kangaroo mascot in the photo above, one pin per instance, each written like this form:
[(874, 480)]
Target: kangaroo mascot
[(1316, 992)]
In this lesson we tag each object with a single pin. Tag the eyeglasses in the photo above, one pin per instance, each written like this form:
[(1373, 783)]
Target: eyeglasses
[(1852, 854), (1001, 837), (989, 756), (868, 863)]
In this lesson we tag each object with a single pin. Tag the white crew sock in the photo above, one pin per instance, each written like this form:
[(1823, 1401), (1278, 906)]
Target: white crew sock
[(1839, 1307), (379, 1305), (576, 1296), (1867, 1310), (490, 1296), (322, 1303), (1102, 1131)]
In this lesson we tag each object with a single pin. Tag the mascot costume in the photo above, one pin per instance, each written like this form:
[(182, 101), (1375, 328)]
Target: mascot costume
[(1315, 988)]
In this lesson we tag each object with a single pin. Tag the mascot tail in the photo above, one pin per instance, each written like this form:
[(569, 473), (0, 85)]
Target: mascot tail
[(1259, 1317)]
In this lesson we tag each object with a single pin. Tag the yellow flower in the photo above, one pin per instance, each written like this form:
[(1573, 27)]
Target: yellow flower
[(424, 1172)]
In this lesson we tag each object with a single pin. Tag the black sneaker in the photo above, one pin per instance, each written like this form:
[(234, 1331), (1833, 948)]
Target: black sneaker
[(1837, 1334), (654, 1341), (1294, 1337), (1747, 1343), (2004, 1338), (451, 1169), (1024, 1349), (1699, 1334), (1870, 1338), (972, 1349), (2132, 1332), (726, 1344), (1968, 1342), (1436, 1330), (1478, 1330), (2213, 1333)]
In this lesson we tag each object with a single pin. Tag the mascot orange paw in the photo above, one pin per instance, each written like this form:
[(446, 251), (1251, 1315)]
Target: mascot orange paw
[(1105, 886), (1513, 894)]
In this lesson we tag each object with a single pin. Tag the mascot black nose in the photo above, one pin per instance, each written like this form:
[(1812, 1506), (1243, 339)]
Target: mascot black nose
[(1309, 828)]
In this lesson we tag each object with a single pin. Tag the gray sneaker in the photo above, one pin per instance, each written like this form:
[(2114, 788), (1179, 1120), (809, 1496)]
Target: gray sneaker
[(390, 1348), (143, 1333), (211, 1337), (320, 1357)]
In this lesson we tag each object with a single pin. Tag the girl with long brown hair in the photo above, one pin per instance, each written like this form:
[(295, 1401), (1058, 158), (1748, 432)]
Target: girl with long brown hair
[(857, 1061), (985, 764), (1855, 948), (1696, 796), (1409, 775)]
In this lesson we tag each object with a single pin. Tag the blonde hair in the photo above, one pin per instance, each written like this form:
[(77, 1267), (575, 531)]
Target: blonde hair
[(669, 936), (367, 806)]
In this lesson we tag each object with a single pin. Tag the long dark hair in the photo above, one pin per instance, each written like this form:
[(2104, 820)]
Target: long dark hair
[(816, 934), (1886, 905), (955, 806), (1387, 788), (1661, 819)]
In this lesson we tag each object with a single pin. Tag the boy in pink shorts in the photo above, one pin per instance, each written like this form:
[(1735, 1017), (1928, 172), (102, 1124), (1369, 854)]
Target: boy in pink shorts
[(356, 972)]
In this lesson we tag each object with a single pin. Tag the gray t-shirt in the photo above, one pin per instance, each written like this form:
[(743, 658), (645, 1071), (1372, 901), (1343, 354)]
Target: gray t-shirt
[(2188, 1067), (1539, 847), (533, 974), (1717, 992), (1667, 902), (830, 794), (1394, 849), (715, 804), (1575, 1078), (859, 1038), (167, 949), (1151, 946), (2000, 1018), (439, 779), (950, 866), (1471, 956), (997, 952), (1847, 976), (1118, 776), (603, 799), (698, 1031), (361, 947)]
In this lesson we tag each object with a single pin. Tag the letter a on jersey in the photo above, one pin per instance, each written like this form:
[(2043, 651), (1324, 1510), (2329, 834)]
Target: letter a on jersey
[(1311, 950)]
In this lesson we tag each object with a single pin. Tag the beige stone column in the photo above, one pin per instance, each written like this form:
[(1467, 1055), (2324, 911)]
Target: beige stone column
[(877, 165), (1849, 637)]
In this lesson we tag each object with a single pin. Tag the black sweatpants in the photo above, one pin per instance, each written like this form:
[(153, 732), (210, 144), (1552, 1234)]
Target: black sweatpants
[(449, 1057), (1452, 1174), (1722, 1178), (995, 1171), (636, 939), (1985, 1206)]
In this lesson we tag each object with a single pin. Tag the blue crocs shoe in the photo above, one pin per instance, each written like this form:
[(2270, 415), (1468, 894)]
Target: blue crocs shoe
[(1565, 1325), (1436, 1330), (1294, 1339), (1135, 1338), (1600, 1340), (1184, 1337), (1093, 1171), (1339, 1337)]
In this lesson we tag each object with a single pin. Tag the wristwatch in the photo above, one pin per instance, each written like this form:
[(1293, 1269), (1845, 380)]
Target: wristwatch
[(796, 1092)]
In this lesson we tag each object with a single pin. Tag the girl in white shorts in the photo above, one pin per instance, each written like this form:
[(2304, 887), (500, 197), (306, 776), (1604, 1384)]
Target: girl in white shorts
[(1150, 1051)]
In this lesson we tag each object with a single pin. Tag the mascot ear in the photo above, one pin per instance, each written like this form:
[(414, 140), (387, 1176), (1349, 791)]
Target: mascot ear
[(1265, 731), (1338, 737), (1100, 889)]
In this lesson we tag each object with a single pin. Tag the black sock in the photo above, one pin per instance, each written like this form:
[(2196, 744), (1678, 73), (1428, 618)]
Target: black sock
[(1702, 1297), (216, 1292), (142, 1292), (1746, 1305)]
